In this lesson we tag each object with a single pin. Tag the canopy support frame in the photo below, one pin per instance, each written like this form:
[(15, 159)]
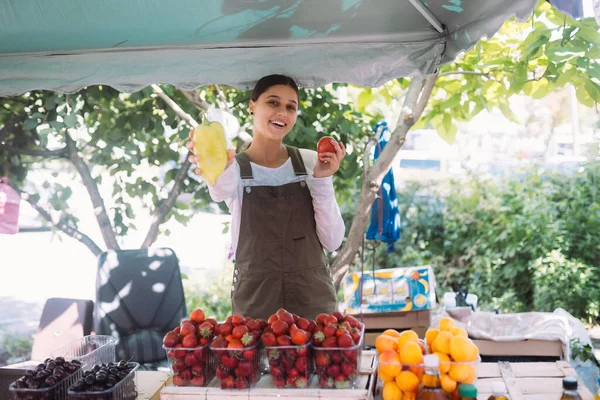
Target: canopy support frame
[(428, 15)]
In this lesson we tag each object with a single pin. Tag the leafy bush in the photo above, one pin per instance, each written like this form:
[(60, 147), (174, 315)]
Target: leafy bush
[(210, 293), (15, 348), (529, 242)]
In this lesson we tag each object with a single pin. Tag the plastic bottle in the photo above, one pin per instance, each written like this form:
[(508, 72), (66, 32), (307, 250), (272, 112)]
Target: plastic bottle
[(570, 389), (467, 391), (432, 386), (498, 391), (597, 395)]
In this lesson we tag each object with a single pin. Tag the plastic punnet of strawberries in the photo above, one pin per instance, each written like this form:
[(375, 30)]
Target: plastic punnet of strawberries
[(188, 352), (287, 344), (337, 345), (236, 349)]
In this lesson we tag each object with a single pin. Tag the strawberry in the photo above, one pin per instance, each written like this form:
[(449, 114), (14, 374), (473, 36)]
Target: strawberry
[(320, 320), (225, 329), (219, 343), (325, 382), (302, 350), (330, 320), (355, 336), (333, 370), (171, 339), (292, 330), (303, 324), (336, 357), (197, 370), (178, 380), (300, 337), (239, 331), (262, 324), (287, 363), (330, 330), (284, 340), (205, 329), (179, 353), (276, 372), (350, 355), (272, 319), (338, 315), (190, 359), (198, 380), (296, 318), (227, 382), (197, 316), (345, 340), (330, 342), (177, 330), (348, 369), (301, 365), (190, 341), (248, 339), (222, 373), (344, 327), (301, 382), (241, 383), (178, 365), (249, 354), (269, 339), (244, 368), (273, 354), (171, 354), (186, 328), (212, 321), (290, 381), (312, 326), (286, 317), (268, 329), (318, 338), (238, 319), (186, 374), (200, 353), (353, 322), (279, 382), (203, 341), (229, 362), (253, 325), (280, 328), (321, 359)]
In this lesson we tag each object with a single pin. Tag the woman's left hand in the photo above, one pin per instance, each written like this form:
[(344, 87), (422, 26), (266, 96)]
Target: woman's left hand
[(329, 163)]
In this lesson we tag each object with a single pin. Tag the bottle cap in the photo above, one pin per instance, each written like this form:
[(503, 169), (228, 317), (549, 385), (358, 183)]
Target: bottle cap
[(467, 390), (432, 361), (498, 388), (569, 383)]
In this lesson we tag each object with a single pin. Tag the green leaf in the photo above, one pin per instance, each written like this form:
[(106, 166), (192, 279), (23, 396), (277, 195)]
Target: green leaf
[(447, 129), (365, 98), (71, 121), (507, 112), (566, 77), (541, 88)]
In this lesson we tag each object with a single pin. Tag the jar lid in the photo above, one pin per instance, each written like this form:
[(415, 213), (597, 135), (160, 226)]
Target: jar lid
[(467, 390)]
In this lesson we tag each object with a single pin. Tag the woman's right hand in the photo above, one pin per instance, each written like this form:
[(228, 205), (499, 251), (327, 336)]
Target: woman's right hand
[(195, 160)]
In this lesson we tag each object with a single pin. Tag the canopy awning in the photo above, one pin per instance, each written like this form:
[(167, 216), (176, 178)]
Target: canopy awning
[(65, 45)]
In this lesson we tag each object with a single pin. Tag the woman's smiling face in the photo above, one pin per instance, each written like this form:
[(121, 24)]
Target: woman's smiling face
[(275, 112)]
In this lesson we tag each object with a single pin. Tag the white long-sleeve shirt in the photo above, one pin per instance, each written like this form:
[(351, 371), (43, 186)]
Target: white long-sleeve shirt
[(230, 189)]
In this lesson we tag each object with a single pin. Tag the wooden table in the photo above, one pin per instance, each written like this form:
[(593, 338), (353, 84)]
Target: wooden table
[(525, 381)]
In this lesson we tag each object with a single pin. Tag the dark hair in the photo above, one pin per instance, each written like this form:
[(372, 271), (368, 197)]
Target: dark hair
[(266, 82)]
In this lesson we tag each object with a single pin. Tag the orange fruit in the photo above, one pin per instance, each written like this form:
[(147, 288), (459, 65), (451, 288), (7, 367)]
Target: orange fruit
[(418, 370), (430, 335), (391, 391), (385, 343), (459, 372), (446, 324), (385, 377), (407, 382), (458, 331), (389, 363), (444, 362), (409, 396), (406, 337), (448, 384), (472, 375), (441, 343), (411, 354), (391, 332), (463, 349), (422, 346)]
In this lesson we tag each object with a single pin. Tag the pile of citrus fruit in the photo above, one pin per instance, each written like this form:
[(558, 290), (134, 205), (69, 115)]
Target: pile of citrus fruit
[(401, 359)]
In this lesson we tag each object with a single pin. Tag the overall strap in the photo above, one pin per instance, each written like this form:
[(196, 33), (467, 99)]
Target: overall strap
[(245, 168), (297, 162)]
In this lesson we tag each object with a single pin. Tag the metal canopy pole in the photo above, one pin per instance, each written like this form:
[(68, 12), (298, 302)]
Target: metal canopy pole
[(428, 15)]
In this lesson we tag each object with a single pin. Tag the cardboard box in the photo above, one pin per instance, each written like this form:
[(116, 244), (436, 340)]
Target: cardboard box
[(390, 290), (520, 348)]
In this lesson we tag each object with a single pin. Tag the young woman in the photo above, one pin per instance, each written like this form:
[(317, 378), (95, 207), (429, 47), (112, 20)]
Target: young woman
[(284, 211)]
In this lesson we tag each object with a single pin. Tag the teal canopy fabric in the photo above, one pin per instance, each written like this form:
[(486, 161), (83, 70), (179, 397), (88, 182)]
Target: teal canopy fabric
[(65, 45)]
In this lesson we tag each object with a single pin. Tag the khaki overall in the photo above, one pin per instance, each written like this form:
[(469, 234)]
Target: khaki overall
[(279, 258)]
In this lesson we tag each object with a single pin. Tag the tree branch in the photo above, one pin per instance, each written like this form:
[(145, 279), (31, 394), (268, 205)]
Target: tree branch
[(74, 233), (415, 101), (194, 97), (60, 153), (475, 73), (106, 228), (161, 212)]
